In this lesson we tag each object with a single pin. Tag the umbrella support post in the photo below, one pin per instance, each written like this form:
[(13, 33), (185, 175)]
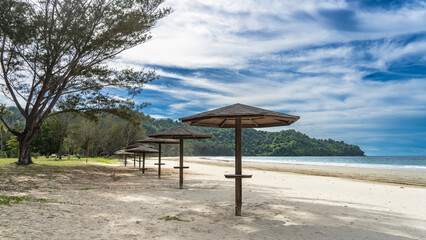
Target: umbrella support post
[(159, 160), (143, 163), (238, 170), (181, 164)]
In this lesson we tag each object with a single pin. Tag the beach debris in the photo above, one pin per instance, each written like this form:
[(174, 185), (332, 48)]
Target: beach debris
[(172, 218)]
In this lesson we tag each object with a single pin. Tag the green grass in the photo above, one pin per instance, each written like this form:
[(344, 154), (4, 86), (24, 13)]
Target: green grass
[(45, 166), (64, 162), (9, 200)]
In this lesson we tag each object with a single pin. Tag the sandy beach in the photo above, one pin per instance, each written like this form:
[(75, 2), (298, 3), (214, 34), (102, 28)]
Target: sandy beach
[(279, 202)]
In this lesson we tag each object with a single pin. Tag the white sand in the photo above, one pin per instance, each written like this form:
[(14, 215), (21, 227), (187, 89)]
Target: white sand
[(276, 205)]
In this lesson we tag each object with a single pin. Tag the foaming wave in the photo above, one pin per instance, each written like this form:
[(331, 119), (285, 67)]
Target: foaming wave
[(322, 161)]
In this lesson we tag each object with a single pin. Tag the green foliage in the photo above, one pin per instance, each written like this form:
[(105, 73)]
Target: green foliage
[(47, 139), (255, 142), (110, 133), (13, 146), (9, 200)]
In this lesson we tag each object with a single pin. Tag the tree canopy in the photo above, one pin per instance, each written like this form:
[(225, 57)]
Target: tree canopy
[(54, 53)]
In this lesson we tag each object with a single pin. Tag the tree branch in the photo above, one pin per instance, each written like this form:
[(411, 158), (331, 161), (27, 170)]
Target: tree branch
[(6, 79), (14, 132)]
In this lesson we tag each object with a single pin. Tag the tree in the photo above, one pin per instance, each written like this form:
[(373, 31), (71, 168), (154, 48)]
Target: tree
[(63, 121), (4, 111), (53, 56), (47, 140), (2, 129), (13, 146)]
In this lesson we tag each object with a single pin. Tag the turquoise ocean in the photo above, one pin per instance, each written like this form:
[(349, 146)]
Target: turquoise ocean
[(374, 162)]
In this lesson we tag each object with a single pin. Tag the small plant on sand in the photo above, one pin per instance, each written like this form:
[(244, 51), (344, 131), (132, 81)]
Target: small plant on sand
[(137, 222), (115, 177), (7, 200), (172, 218)]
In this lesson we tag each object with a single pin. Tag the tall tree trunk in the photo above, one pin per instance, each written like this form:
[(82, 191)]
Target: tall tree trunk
[(24, 154), (64, 118), (61, 142), (1, 141), (87, 150), (60, 149)]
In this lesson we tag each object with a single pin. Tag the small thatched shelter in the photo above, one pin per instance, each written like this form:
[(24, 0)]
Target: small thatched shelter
[(122, 152), (159, 141), (142, 149), (181, 133)]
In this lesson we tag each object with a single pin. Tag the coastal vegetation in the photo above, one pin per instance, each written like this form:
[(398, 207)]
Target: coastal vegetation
[(85, 137)]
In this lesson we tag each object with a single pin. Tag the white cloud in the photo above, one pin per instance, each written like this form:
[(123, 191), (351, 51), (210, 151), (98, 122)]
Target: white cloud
[(221, 33), (158, 116)]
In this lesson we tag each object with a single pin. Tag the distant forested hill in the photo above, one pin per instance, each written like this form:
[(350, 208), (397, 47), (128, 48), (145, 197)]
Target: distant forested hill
[(257, 142), (110, 133)]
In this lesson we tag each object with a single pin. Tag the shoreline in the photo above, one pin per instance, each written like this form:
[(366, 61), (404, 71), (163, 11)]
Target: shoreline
[(384, 176)]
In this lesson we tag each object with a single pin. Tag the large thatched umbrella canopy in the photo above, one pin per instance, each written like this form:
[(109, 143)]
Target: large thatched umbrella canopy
[(239, 116), (251, 117), (142, 149), (181, 133), (159, 141), (138, 145)]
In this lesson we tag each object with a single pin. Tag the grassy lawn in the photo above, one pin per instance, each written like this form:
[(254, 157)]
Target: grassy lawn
[(47, 166), (73, 161)]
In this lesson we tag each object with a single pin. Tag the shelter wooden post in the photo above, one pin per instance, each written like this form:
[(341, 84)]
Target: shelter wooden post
[(143, 163), (139, 161), (181, 163), (159, 160), (134, 160), (125, 160), (238, 171)]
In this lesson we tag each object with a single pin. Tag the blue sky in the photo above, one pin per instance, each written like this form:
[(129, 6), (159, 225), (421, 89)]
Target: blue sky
[(353, 70)]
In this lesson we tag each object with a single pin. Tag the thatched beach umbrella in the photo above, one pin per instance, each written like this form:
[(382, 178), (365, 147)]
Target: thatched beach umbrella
[(142, 149), (239, 116), (123, 152), (181, 133), (159, 141), (135, 145)]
